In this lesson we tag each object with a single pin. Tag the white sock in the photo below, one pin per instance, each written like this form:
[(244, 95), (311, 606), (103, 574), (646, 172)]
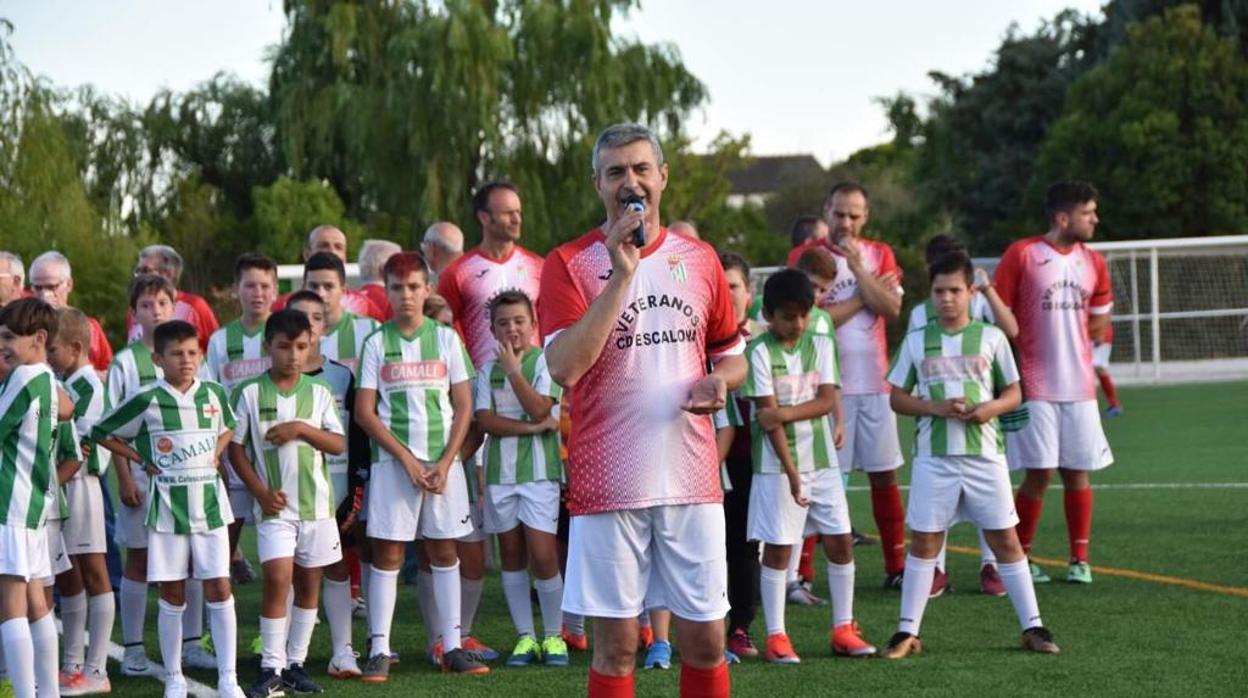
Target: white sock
[(549, 598), (986, 556), (19, 654), (428, 609), (469, 600), (795, 559), (1016, 576), (383, 591), (574, 622), (446, 598), (771, 587), (224, 626), (101, 612), (133, 612), (273, 642), (916, 586), (43, 641), (74, 628), (940, 557), (516, 591), (337, 600), (302, 623), (841, 589), (193, 620), (169, 629)]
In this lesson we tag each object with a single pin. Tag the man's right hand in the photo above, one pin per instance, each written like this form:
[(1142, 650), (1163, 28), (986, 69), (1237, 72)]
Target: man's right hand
[(624, 254)]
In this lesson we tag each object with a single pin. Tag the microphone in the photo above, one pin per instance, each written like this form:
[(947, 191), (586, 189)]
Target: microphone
[(634, 203)]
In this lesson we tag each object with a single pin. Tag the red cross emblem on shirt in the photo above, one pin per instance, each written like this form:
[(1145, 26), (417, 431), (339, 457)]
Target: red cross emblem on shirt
[(210, 411)]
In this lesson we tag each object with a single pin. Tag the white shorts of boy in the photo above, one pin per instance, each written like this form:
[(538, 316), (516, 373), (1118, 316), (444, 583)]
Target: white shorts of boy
[(84, 529), (672, 556), (131, 523), (398, 510), (241, 503), (534, 504), (776, 518), (1100, 354), (24, 552), (58, 557), (1059, 435), (311, 543), (172, 557), (948, 489), (871, 443)]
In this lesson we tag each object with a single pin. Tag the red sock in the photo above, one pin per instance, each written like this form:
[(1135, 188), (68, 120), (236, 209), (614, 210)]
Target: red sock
[(1079, 522), (1029, 511), (704, 683), (352, 558), (603, 686), (1107, 385), (890, 518), (806, 563)]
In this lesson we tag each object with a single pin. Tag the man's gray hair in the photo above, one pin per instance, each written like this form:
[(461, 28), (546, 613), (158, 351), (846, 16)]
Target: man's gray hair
[(620, 135), (373, 256), (307, 243), (435, 236), (52, 257), (169, 257), (15, 266)]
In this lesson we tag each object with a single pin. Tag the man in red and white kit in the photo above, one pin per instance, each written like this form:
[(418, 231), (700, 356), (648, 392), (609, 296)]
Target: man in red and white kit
[(629, 330), (165, 261), (1061, 294), (498, 264), (865, 296), (327, 238)]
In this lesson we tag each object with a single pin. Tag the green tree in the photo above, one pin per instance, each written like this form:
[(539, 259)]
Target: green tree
[(286, 210)]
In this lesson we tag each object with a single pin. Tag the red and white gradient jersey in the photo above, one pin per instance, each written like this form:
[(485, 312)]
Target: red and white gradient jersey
[(632, 446), (1052, 293), (472, 281), (861, 340)]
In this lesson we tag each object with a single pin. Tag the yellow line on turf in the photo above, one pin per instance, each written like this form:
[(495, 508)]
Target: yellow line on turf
[(1193, 584)]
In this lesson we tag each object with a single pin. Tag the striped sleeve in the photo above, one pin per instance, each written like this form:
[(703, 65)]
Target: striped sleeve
[(826, 361), (903, 372), (125, 420), (241, 405), (483, 398), (328, 408), (758, 379), (542, 381)]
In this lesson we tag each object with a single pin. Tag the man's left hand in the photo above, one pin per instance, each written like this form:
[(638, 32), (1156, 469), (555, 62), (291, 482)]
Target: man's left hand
[(707, 396)]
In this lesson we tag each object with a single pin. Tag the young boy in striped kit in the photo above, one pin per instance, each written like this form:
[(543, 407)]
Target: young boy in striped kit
[(796, 491), (29, 406), (287, 422), (515, 407), (325, 275), (958, 376), (178, 427)]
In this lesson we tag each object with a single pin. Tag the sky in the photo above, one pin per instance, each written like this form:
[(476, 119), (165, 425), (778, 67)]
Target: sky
[(800, 76)]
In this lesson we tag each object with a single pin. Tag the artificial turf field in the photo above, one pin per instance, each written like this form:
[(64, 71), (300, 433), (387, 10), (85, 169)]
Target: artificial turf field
[(1135, 631)]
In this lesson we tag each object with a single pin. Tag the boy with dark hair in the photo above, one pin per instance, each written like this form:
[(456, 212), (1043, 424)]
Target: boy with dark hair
[(793, 380), (287, 422), (28, 485), (957, 376), (87, 602), (178, 427), (515, 407), (325, 275)]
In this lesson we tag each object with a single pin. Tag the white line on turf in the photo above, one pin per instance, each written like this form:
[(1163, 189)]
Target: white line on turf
[(195, 688), (1135, 486)]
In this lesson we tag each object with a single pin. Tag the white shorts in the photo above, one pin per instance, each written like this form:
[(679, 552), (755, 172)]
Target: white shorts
[(674, 557), (871, 443), (398, 510), (534, 504), (84, 529), (776, 518), (948, 489), (131, 524), (1059, 435), (312, 543), (1100, 354), (477, 521), (58, 557), (24, 553), (170, 556), (241, 503)]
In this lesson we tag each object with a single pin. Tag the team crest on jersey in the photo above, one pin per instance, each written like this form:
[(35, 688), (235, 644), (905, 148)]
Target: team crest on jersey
[(676, 267), (164, 444)]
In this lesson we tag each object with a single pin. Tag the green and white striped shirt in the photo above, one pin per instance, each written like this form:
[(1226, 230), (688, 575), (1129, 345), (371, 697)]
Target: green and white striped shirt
[(413, 376), (973, 363), (344, 341), (296, 468), (793, 376), (28, 406), (177, 433), (511, 460), (234, 355), (87, 394), (132, 369), (342, 384)]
